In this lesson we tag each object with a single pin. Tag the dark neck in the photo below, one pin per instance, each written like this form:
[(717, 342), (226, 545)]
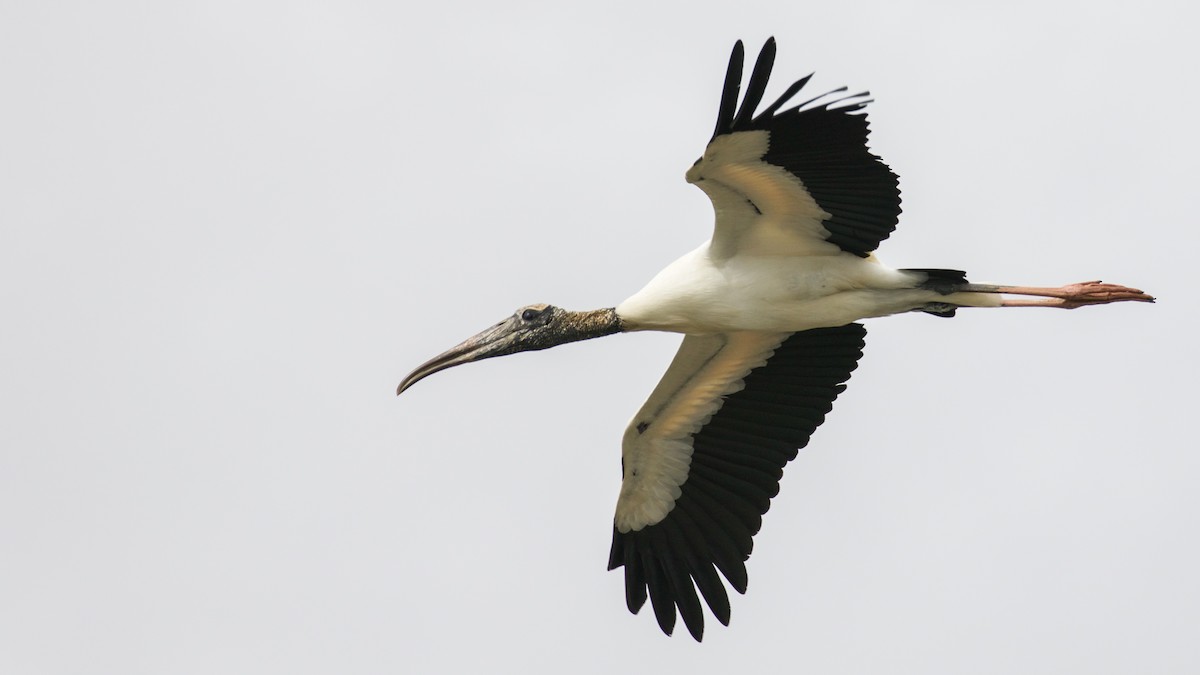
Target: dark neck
[(590, 324)]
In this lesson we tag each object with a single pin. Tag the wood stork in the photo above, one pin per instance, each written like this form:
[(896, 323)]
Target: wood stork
[(767, 308)]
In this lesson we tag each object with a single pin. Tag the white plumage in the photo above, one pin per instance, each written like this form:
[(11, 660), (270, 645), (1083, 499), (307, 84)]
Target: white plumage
[(768, 309)]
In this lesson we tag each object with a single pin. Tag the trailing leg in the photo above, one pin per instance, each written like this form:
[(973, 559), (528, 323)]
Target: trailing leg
[(1063, 297)]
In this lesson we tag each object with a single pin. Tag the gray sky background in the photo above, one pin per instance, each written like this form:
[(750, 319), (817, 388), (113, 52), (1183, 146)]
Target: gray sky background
[(230, 228)]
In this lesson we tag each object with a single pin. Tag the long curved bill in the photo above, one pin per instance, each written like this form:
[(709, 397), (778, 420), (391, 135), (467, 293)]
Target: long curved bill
[(495, 341)]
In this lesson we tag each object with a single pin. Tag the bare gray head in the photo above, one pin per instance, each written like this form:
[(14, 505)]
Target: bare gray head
[(530, 328)]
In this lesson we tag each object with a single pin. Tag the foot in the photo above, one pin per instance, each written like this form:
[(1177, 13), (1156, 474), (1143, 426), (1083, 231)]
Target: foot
[(1096, 293), (1075, 295)]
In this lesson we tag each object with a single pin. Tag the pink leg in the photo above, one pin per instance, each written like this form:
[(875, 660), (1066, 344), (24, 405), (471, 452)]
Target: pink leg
[(1064, 297)]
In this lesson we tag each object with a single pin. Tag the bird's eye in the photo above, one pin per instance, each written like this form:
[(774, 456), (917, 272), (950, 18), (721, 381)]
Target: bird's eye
[(530, 315)]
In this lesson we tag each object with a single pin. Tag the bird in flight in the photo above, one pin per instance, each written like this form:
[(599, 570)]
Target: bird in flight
[(768, 308)]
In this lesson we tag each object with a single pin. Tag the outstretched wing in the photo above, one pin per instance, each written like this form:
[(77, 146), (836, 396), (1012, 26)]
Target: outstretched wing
[(799, 181), (703, 458)]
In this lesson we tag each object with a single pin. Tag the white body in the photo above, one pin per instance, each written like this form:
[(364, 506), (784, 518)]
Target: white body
[(699, 293)]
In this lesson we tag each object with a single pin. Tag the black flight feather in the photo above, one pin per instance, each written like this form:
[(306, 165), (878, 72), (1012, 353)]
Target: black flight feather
[(737, 461)]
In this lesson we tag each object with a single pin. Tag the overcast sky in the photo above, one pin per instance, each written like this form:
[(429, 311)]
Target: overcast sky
[(230, 228)]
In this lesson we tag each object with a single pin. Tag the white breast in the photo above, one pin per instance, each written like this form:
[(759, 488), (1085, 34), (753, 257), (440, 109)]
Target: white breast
[(698, 294)]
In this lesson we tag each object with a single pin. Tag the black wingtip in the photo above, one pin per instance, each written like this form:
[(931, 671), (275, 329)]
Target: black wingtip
[(730, 91), (660, 599), (787, 96), (757, 86), (733, 116)]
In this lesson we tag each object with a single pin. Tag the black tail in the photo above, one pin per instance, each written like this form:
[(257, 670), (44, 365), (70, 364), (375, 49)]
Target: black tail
[(944, 282)]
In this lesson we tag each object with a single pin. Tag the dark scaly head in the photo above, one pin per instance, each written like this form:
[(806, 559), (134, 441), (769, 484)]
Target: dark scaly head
[(530, 328)]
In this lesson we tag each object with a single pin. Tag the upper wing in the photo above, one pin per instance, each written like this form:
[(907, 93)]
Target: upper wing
[(703, 458), (796, 182)]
